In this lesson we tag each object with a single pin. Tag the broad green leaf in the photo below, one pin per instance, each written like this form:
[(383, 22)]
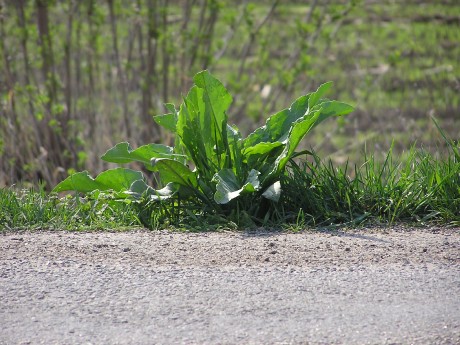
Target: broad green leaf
[(139, 188), (171, 108), (174, 171), (164, 193), (213, 120), (298, 132), (234, 157), (328, 108), (80, 182), (316, 96), (118, 180), (217, 100), (334, 108), (278, 125), (273, 192), (202, 125), (261, 148), (304, 125), (189, 129), (123, 153), (229, 188), (227, 184), (262, 156), (167, 121)]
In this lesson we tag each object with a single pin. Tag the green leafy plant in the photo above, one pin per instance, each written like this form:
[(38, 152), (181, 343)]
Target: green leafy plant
[(210, 163)]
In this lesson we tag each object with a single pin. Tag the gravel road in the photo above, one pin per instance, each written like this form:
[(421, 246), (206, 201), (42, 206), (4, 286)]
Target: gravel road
[(369, 286)]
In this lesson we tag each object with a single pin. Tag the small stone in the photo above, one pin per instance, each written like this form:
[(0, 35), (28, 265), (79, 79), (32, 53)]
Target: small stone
[(347, 249), (126, 249)]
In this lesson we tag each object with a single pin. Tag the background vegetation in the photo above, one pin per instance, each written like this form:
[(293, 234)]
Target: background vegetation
[(76, 77)]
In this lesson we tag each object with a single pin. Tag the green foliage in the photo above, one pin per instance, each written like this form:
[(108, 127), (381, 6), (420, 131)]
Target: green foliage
[(421, 188), (229, 172), (98, 72), (115, 179), (36, 209)]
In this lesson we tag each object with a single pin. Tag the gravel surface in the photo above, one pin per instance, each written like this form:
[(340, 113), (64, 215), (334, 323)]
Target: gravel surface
[(369, 286)]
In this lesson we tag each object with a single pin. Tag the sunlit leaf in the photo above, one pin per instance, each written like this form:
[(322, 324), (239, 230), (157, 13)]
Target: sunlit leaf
[(316, 96), (273, 192), (123, 153), (174, 171), (167, 121), (118, 180), (228, 187)]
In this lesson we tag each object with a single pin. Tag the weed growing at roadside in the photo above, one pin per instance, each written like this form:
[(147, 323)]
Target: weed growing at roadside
[(211, 169), (215, 177)]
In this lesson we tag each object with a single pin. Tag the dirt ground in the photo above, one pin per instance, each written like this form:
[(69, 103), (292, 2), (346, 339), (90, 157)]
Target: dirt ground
[(368, 286)]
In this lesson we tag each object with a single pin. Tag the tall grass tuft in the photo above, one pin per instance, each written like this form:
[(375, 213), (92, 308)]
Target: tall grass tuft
[(422, 188)]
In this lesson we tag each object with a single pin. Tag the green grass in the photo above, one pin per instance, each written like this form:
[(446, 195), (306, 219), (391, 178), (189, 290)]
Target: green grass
[(34, 209), (397, 62), (422, 189)]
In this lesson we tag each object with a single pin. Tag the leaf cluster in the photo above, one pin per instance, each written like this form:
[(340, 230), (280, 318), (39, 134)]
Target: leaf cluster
[(211, 164)]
